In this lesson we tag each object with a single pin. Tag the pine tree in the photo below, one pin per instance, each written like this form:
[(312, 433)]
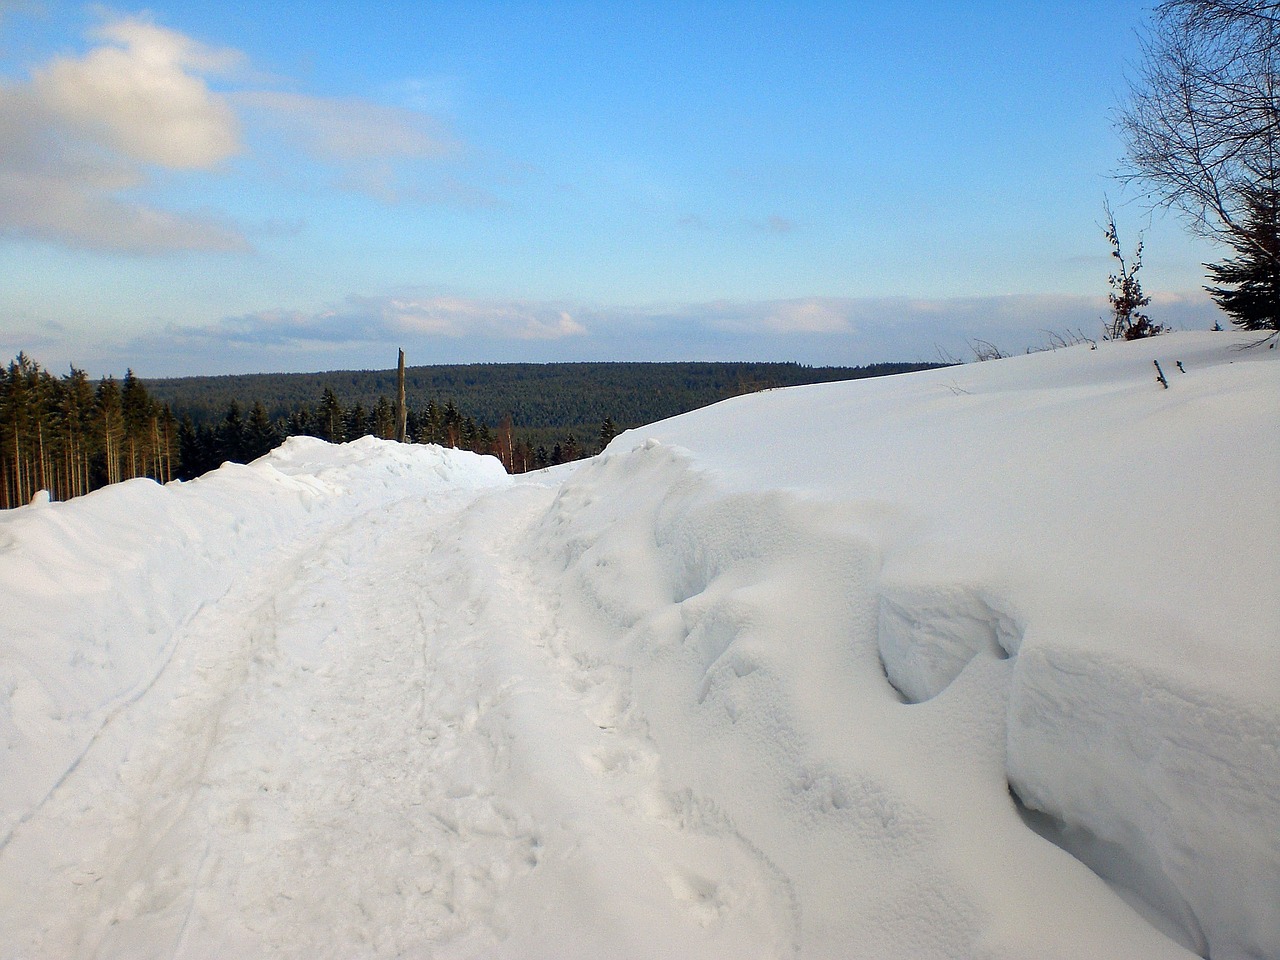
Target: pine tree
[(452, 425), (110, 429), (383, 418), (301, 423), (16, 455), (331, 426), (168, 435), (430, 425), (135, 411), (607, 432), (261, 435), (357, 422), (231, 435), (75, 416), (187, 451), (1248, 285)]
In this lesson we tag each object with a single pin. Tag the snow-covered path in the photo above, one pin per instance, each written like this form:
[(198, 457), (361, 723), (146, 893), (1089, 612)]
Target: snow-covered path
[(364, 747), (685, 701), (281, 743)]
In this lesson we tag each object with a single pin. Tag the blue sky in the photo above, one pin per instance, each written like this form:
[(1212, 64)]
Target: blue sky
[(203, 188)]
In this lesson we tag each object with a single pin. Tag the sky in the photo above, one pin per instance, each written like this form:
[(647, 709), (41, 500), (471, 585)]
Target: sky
[(208, 188)]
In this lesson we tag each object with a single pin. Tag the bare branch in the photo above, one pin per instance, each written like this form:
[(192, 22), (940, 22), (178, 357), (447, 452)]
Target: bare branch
[(1203, 120)]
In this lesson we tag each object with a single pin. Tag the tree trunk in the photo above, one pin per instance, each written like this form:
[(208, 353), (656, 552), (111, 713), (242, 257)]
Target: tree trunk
[(44, 472), (17, 469)]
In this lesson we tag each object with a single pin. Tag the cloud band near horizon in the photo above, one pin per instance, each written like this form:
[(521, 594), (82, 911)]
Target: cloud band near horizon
[(363, 332)]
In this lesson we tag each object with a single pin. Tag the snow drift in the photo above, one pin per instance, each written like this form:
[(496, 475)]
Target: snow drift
[(979, 662)]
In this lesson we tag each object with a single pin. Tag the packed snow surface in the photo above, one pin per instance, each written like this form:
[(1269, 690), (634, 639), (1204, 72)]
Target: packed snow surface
[(979, 662)]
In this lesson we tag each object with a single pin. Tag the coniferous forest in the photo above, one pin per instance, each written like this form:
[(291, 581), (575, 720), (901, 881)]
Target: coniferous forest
[(67, 435)]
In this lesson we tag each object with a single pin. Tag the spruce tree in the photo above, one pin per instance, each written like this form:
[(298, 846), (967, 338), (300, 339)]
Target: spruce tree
[(1248, 285), (331, 416), (231, 435), (452, 425), (189, 459), (383, 419), (261, 435), (607, 432), (357, 421)]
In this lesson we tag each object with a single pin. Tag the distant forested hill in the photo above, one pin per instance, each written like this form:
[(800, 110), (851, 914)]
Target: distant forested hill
[(543, 399)]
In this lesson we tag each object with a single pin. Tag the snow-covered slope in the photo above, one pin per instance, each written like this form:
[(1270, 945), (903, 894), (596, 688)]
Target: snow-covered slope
[(980, 662)]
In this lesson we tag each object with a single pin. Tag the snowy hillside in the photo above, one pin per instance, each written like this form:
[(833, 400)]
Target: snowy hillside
[(979, 662)]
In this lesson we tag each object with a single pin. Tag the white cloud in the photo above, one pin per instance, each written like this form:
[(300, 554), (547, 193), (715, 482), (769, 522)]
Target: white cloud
[(144, 97), (56, 188), (385, 319), (347, 129), (84, 213), (813, 315), (82, 138), (85, 130), (455, 317)]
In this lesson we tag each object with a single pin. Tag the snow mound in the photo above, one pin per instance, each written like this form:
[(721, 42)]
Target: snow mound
[(1115, 541), (98, 588), (978, 662)]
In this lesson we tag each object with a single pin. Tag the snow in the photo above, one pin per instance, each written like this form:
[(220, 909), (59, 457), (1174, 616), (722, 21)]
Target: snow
[(978, 662)]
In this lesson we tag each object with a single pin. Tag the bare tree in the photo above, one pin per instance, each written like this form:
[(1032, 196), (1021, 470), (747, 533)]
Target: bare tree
[(1203, 121)]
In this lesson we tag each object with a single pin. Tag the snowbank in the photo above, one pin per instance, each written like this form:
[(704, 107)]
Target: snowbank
[(97, 589), (979, 662), (1104, 547)]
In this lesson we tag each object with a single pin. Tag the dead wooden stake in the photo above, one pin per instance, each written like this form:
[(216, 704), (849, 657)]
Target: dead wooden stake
[(402, 415)]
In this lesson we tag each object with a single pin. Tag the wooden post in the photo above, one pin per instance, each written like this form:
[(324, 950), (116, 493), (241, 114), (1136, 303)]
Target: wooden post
[(402, 415)]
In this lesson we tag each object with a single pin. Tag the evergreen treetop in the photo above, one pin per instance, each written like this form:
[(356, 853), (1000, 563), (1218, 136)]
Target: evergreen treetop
[(1247, 286)]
